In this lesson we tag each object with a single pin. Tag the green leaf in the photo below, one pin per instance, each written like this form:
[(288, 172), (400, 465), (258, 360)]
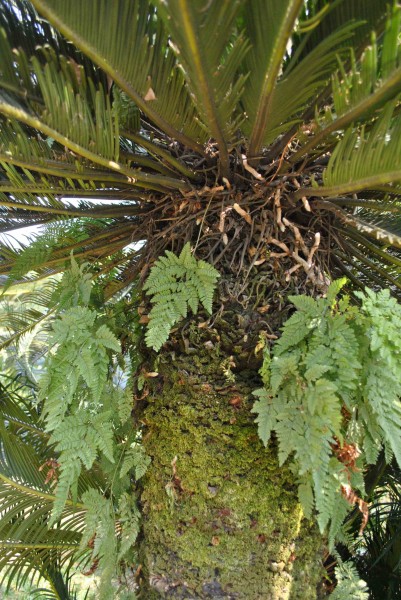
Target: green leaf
[(334, 289), (358, 92), (334, 387), (176, 282), (211, 69), (75, 137), (113, 36), (365, 160), (305, 495), (296, 88), (265, 419), (269, 26), (349, 584), (136, 459)]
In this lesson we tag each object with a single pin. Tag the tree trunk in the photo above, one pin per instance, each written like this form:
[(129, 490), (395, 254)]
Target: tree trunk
[(221, 518)]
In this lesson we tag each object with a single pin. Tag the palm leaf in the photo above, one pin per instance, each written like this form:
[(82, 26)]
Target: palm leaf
[(363, 160), (104, 32), (367, 86), (14, 111), (378, 550), (25, 318), (270, 27), (326, 18), (210, 78), (27, 545), (297, 86), (71, 107)]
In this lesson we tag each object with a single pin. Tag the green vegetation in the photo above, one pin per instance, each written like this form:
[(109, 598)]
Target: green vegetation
[(333, 358), (208, 176)]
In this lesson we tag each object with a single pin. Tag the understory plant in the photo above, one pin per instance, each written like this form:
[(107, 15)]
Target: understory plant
[(70, 456), (332, 395)]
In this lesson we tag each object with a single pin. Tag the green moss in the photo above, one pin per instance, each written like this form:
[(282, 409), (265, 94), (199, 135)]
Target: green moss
[(221, 518)]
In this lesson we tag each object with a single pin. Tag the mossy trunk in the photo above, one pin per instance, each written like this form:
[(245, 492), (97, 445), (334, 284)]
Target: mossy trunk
[(221, 518)]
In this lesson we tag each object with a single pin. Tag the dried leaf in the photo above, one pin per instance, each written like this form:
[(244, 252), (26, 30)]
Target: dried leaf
[(347, 454), (353, 498), (235, 401)]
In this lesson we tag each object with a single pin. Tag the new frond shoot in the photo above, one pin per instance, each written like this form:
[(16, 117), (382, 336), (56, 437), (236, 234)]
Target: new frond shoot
[(331, 395), (175, 284)]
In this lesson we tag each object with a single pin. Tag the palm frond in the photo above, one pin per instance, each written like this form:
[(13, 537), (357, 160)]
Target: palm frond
[(63, 135), (47, 252), (28, 546), (363, 160), (25, 318), (367, 86), (299, 85), (71, 106), (114, 35), (269, 26), (378, 550), (210, 61), (326, 18)]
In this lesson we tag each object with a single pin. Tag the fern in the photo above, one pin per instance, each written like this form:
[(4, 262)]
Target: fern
[(135, 459), (129, 521), (75, 286), (87, 414), (81, 357), (331, 394), (99, 533), (72, 389), (349, 584), (175, 284), (382, 372)]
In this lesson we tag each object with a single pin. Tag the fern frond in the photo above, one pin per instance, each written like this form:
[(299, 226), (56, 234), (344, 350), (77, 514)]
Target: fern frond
[(332, 397), (99, 525), (176, 283), (135, 459), (349, 584)]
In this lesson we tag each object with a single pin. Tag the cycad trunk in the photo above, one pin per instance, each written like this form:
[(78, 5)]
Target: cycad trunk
[(221, 518)]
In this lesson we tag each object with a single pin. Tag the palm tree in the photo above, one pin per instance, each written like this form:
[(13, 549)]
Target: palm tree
[(266, 135)]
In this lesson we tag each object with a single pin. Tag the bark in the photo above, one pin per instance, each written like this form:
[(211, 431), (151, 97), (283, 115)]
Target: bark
[(221, 518)]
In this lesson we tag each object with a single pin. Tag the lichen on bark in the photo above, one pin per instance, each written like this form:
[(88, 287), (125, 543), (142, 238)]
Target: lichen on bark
[(221, 518)]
